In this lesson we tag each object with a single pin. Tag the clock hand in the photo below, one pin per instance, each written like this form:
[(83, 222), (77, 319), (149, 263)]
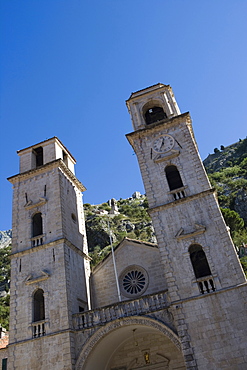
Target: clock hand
[(163, 142)]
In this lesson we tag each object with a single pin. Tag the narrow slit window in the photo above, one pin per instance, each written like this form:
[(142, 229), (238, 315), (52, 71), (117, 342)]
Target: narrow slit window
[(4, 363), (39, 156)]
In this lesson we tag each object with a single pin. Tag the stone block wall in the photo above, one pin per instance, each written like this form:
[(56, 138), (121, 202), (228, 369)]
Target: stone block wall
[(104, 291), (52, 150), (27, 275), (27, 200), (64, 288), (49, 352), (188, 162), (73, 223), (214, 239), (217, 326)]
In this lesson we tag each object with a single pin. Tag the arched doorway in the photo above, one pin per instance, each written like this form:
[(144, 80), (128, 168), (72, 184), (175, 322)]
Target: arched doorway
[(131, 344)]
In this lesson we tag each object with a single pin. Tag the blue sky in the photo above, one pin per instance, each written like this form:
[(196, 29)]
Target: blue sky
[(67, 67)]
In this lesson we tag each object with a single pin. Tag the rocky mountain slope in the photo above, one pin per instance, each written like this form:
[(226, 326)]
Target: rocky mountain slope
[(5, 238), (227, 171), (112, 221)]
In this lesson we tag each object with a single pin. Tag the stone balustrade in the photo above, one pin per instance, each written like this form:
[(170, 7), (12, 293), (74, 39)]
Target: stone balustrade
[(138, 306), (206, 284), (37, 240), (178, 193), (38, 328)]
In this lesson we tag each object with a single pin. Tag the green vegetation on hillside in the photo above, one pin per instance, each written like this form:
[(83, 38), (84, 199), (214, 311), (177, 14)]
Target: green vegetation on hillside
[(4, 286), (133, 222), (243, 261), (227, 172)]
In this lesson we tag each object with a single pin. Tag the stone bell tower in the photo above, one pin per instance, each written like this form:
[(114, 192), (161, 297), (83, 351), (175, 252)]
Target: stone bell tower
[(206, 284), (50, 265)]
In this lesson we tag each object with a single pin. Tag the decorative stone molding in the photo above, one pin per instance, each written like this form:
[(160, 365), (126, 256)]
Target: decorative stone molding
[(179, 201), (31, 280), (133, 281), (199, 229), (49, 245), (168, 123), (117, 324), (165, 157), (30, 204), (144, 305), (57, 163)]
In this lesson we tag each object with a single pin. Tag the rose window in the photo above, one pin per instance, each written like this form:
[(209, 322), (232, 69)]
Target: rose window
[(134, 281)]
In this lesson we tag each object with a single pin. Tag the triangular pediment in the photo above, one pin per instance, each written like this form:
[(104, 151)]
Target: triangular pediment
[(30, 279), (198, 229), (39, 203), (165, 156)]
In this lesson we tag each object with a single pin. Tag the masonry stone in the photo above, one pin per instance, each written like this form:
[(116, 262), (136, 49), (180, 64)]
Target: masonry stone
[(180, 304)]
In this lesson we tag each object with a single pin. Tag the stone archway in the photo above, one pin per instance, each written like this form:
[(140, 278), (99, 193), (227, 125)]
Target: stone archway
[(126, 344)]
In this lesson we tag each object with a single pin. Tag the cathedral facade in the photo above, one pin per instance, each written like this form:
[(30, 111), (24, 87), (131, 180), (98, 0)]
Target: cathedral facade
[(181, 304)]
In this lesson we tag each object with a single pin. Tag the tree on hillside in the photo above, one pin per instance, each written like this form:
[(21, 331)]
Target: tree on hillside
[(243, 261), (236, 224), (4, 281), (232, 219)]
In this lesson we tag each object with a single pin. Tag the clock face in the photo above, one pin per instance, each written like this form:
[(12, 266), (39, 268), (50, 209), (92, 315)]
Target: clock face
[(163, 143)]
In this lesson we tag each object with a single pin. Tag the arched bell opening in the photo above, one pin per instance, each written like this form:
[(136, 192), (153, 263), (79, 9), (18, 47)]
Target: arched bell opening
[(153, 111), (154, 114)]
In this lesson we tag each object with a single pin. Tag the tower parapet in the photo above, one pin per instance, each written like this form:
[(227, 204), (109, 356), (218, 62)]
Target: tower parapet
[(44, 152)]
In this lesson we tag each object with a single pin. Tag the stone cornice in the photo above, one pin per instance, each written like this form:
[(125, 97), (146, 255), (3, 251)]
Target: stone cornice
[(206, 295), (42, 169), (147, 91), (180, 201), (42, 338), (166, 123), (52, 139), (49, 245), (71, 176)]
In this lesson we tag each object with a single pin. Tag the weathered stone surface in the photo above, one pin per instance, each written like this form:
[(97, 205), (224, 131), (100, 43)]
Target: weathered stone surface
[(240, 204), (159, 316)]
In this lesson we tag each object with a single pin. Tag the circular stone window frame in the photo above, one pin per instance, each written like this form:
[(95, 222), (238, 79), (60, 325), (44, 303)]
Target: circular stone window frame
[(128, 271)]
